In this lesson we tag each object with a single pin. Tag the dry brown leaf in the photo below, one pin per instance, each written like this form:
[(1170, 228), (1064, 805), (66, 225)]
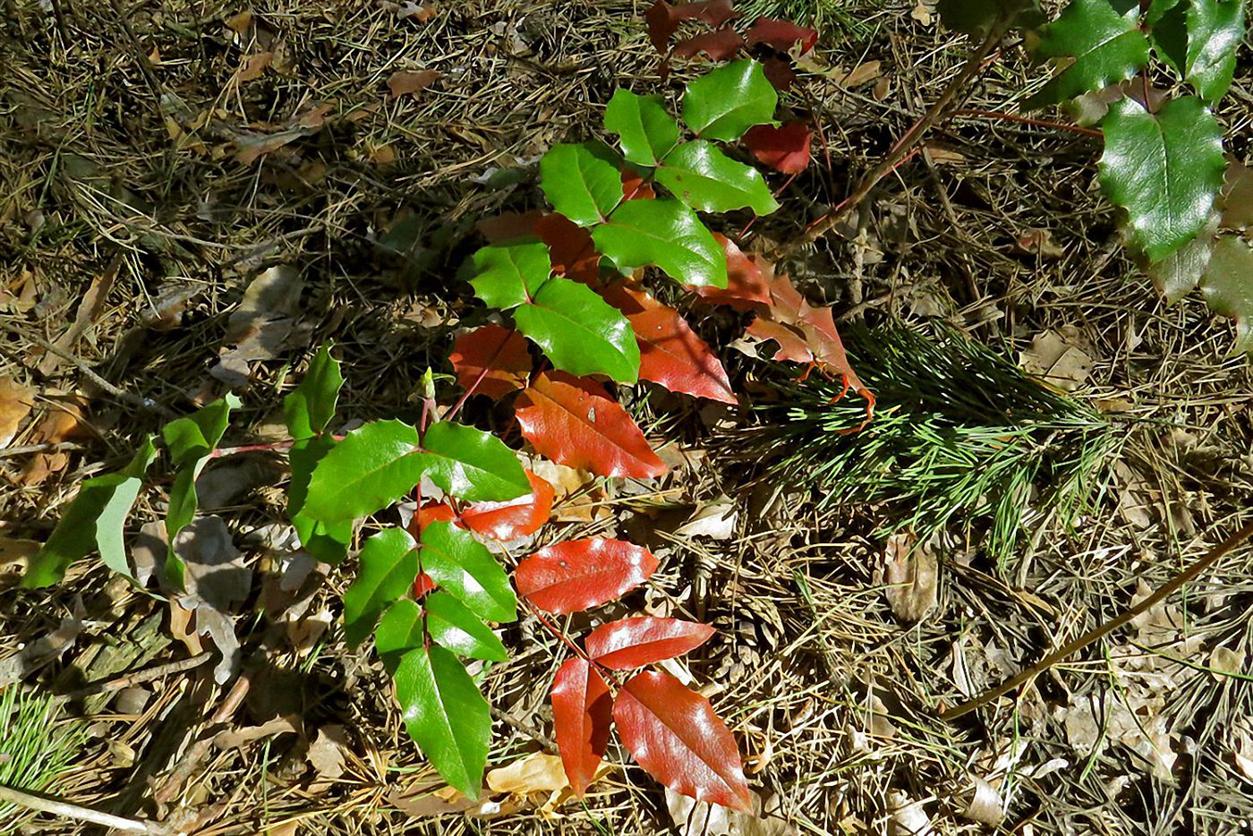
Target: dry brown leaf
[(907, 816), (240, 21), (1058, 358), (327, 751), (943, 156), (421, 12), (64, 423), (383, 155), (924, 11), (15, 552), (426, 801), (537, 772), (859, 75), (984, 805), (911, 574), (699, 818), (410, 82), (881, 89), (263, 326), (1224, 660), (89, 309), (238, 737), (1039, 242), (15, 404), (253, 67)]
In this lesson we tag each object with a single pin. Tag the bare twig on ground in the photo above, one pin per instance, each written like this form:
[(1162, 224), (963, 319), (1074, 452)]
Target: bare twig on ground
[(138, 677), (64, 809)]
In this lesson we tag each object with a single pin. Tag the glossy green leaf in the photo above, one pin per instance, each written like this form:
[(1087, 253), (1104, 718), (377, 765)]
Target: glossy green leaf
[(311, 406), (328, 542), (507, 276), (473, 465), (1164, 169), (664, 233), (1106, 44), (190, 440), (398, 631), (464, 567), (580, 332), (372, 467), (1168, 33), (725, 103), (645, 129), (454, 626), (582, 182), (94, 520), (977, 17), (387, 568), (704, 178), (1228, 287), (1215, 29), (445, 715)]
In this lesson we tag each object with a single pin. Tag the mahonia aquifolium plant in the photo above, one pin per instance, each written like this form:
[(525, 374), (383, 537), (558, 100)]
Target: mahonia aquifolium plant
[(571, 284)]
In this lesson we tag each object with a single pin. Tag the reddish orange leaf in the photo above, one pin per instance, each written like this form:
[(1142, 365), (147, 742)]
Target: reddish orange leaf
[(570, 248), (510, 226), (582, 718), (578, 574), (792, 345), (671, 353), (573, 422), (635, 642), (634, 187), (675, 735), (719, 45), (422, 585), (746, 290), (514, 518), (781, 34), (494, 357), (784, 149), (429, 513), (663, 18)]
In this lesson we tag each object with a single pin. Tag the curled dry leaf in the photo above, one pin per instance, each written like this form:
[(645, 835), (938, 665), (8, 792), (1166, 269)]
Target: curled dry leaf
[(410, 82), (911, 575), (1057, 358), (984, 803), (906, 816), (537, 772)]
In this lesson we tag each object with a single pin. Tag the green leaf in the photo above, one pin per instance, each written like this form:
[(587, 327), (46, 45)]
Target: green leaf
[(727, 102), (311, 406), (445, 715), (664, 233), (508, 276), (454, 626), (1169, 33), (1228, 287), (399, 630), (977, 17), (1215, 29), (190, 440), (582, 182), (373, 466), (704, 178), (1165, 170), (328, 542), (473, 465), (94, 520), (462, 566), (644, 127), (580, 332), (1108, 47), (387, 570)]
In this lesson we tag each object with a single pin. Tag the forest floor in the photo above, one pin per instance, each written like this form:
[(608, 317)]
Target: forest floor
[(156, 157)]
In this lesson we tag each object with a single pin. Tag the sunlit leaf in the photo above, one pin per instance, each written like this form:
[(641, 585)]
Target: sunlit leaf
[(726, 102), (387, 565), (453, 625), (372, 467), (491, 359), (578, 574), (579, 332), (634, 642), (704, 178), (582, 182), (645, 129), (463, 566), (1106, 44), (508, 275), (582, 719), (311, 406), (473, 465), (664, 233)]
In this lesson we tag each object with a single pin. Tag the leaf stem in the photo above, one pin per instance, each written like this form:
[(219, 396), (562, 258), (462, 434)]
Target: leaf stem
[(570, 643)]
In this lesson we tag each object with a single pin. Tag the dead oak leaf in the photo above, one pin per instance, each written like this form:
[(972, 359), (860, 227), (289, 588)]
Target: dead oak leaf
[(410, 82)]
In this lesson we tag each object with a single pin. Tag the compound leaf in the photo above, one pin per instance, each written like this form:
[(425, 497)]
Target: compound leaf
[(704, 178), (1215, 29), (725, 103), (582, 182), (579, 574), (675, 735), (644, 127), (1164, 169), (574, 423), (664, 233), (470, 464), (1106, 44), (445, 715), (580, 332), (388, 567)]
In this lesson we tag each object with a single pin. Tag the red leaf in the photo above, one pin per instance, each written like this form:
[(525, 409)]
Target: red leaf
[(635, 642), (578, 574), (570, 247), (663, 18), (514, 518), (781, 34), (719, 45), (634, 187), (429, 513), (582, 718), (746, 288), (422, 585), (779, 72), (792, 345), (510, 226), (498, 354), (675, 735), (671, 353), (784, 149), (566, 421)]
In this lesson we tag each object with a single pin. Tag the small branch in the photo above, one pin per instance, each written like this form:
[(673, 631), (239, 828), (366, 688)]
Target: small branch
[(39, 448), (1166, 590), (902, 150), (66, 810), (1026, 120), (147, 675)]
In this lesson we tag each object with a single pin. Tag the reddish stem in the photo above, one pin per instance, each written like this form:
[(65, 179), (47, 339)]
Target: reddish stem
[(570, 643), (1026, 120)]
